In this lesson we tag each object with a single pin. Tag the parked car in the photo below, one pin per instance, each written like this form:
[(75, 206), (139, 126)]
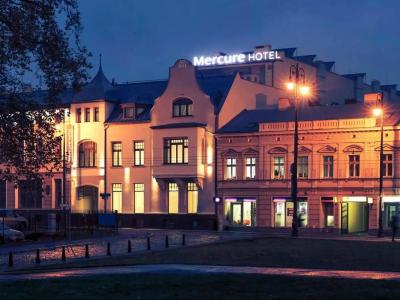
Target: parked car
[(13, 219), (8, 234)]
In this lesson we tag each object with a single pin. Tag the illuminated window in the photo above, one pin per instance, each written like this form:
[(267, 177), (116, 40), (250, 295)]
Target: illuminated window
[(302, 167), (182, 107), (173, 198), (279, 167), (251, 167), (96, 114), (387, 161), (117, 197), (328, 212), (231, 168), (139, 198), (176, 151), (78, 115), (138, 153), (354, 165), (328, 166), (116, 154), (87, 114), (193, 196), (87, 154)]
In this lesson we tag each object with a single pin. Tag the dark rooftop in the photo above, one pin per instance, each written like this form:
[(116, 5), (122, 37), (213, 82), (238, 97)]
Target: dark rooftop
[(249, 120)]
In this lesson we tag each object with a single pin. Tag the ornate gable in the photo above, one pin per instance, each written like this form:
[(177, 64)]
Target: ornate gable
[(327, 149), (277, 150), (353, 149)]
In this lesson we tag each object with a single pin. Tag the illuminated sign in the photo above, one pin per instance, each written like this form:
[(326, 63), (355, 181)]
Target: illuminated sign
[(235, 58)]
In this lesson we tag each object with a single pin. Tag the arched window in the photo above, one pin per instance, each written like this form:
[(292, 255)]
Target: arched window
[(182, 107), (87, 154)]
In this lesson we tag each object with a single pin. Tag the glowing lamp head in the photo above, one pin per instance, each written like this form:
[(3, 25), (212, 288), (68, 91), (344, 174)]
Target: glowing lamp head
[(290, 86), (305, 90), (377, 112)]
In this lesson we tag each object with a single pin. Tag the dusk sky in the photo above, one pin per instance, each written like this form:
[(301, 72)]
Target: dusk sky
[(139, 40)]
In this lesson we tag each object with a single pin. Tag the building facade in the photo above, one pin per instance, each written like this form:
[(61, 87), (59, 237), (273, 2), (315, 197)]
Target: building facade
[(338, 167), (171, 146)]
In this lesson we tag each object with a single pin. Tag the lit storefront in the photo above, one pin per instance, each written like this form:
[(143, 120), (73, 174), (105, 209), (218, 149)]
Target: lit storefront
[(284, 207), (391, 206), (354, 214), (240, 212)]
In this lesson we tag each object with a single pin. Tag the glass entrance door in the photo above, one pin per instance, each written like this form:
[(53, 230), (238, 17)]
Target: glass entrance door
[(390, 210), (240, 212)]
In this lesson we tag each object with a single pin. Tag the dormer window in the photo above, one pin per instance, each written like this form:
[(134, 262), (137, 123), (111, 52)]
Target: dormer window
[(129, 112), (182, 107)]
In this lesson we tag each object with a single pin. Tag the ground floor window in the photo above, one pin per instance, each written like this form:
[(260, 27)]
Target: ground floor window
[(138, 198), (391, 207), (354, 214), (30, 194), (240, 212), (192, 197), (58, 192), (327, 207), (117, 197), (284, 209), (173, 198)]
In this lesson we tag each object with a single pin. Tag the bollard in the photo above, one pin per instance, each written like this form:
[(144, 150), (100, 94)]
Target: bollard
[(108, 249), (148, 243), (183, 240), (129, 246), (37, 256), (10, 260), (166, 241), (87, 251), (63, 257)]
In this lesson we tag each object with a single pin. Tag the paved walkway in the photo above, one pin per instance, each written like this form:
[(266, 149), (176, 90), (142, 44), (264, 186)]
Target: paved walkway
[(204, 269)]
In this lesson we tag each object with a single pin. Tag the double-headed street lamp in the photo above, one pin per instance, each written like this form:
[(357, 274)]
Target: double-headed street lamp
[(379, 112), (296, 84)]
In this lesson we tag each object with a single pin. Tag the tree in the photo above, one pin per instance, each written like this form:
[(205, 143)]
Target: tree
[(41, 61)]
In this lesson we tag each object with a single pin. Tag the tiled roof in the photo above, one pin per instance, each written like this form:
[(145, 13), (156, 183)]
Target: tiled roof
[(249, 120)]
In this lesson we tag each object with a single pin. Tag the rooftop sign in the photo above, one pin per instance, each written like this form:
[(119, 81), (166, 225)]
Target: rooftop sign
[(230, 59)]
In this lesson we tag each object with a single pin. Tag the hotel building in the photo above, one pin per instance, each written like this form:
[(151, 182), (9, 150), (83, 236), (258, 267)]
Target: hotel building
[(164, 149)]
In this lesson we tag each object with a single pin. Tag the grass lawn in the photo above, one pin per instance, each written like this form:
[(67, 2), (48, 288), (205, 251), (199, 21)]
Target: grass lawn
[(275, 252), (199, 286)]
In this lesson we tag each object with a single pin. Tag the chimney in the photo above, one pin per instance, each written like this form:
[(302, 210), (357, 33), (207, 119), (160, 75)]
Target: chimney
[(283, 104)]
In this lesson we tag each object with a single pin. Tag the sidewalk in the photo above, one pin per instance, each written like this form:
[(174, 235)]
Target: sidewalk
[(205, 269)]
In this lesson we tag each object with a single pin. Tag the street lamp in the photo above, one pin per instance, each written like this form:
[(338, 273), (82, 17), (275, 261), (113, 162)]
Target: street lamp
[(378, 112), (297, 84)]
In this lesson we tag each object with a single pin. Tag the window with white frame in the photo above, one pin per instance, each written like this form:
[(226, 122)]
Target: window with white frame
[(117, 197), (231, 168), (138, 153), (302, 167), (250, 167), (279, 167), (327, 166), (354, 165), (387, 161), (173, 198)]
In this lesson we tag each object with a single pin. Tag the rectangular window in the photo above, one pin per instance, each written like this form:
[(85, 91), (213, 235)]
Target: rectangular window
[(279, 167), (117, 197), (387, 161), (231, 168), (96, 114), (193, 196), (138, 198), (138, 153), (302, 167), (251, 167), (78, 115), (328, 166), (328, 213), (30, 194), (116, 154), (354, 165), (173, 198), (87, 114), (129, 112), (58, 192), (176, 151)]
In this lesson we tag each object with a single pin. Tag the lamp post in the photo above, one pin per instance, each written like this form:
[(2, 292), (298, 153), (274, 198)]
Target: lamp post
[(378, 112), (296, 76)]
